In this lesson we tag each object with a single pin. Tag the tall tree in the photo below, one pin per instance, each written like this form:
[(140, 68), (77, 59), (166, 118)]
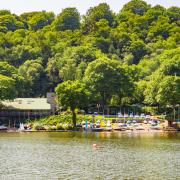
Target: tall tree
[(37, 20), (68, 19), (72, 94), (10, 22), (107, 78), (7, 88), (95, 14), (169, 91), (136, 6), (36, 82)]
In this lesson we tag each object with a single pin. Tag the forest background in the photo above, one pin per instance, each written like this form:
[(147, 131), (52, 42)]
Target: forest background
[(102, 57)]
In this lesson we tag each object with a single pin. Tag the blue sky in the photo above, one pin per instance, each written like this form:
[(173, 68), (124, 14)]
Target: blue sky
[(20, 6)]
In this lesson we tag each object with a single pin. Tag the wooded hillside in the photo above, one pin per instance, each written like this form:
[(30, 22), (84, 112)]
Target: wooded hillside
[(124, 58)]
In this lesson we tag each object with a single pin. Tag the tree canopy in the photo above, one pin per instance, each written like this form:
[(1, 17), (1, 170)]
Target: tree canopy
[(132, 54), (7, 88), (72, 94), (68, 19)]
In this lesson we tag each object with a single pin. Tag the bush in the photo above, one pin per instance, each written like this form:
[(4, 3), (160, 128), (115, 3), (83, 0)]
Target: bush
[(38, 126), (59, 126), (149, 109)]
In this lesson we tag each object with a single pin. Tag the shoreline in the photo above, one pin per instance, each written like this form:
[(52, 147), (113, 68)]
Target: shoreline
[(90, 131)]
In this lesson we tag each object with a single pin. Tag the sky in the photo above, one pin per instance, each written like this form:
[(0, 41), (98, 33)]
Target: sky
[(20, 6)]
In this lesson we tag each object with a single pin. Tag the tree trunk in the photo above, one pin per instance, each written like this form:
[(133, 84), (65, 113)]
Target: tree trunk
[(174, 109), (103, 102), (74, 118)]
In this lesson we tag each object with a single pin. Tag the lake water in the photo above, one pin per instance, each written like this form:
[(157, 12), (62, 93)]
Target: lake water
[(70, 155)]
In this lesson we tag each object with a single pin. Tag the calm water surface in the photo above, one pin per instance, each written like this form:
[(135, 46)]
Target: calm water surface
[(71, 156)]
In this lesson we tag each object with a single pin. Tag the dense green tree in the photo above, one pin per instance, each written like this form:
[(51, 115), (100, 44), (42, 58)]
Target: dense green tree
[(7, 88), (11, 72), (120, 40), (4, 12), (170, 66), (124, 58), (33, 73), (10, 22), (68, 71), (6, 69), (95, 14), (153, 13), (53, 71), (136, 6), (138, 50), (80, 70), (68, 19), (72, 94), (69, 61), (169, 91), (170, 62), (80, 53), (174, 14), (160, 28), (37, 20), (107, 78)]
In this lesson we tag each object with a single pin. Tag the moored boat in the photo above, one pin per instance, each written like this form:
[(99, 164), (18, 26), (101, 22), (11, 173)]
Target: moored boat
[(3, 128), (97, 129), (107, 128), (118, 129)]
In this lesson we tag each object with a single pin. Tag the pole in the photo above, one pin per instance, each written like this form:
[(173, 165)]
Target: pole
[(178, 114), (28, 115), (124, 115), (14, 123), (19, 116), (9, 123)]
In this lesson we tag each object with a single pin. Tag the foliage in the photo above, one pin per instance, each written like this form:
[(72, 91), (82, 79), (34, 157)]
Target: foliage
[(37, 20), (7, 88), (69, 18), (61, 121), (136, 6), (32, 71), (128, 57), (95, 14), (108, 78), (169, 91), (72, 94), (10, 22)]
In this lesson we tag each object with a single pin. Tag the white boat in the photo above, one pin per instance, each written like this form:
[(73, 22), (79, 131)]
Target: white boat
[(155, 128), (107, 128), (120, 115), (21, 128), (97, 129), (118, 129), (3, 128), (140, 128)]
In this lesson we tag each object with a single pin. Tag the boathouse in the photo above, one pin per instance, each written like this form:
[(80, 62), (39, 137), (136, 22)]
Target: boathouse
[(27, 108)]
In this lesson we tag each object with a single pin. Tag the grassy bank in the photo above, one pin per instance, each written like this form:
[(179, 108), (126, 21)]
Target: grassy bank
[(63, 121)]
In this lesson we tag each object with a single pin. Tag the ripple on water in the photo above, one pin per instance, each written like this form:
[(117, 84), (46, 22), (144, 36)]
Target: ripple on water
[(71, 156)]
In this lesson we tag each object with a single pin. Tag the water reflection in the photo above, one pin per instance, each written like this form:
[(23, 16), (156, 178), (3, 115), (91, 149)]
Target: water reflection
[(71, 155)]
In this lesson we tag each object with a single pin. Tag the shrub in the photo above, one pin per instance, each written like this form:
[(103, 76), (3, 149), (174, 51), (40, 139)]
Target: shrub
[(38, 126), (59, 126)]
